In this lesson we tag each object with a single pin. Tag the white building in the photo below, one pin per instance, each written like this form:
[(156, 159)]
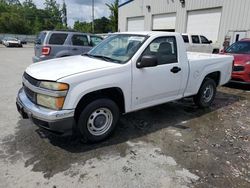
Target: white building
[(216, 19)]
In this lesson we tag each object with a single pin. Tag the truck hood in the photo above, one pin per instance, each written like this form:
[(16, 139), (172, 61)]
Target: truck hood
[(58, 68)]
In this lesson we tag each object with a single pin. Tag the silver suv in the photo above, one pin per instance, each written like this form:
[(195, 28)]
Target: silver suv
[(54, 44)]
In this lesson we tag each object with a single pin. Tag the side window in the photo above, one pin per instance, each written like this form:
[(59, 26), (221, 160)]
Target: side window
[(195, 39), (80, 40), (95, 40), (185, 38), (58, 38), (204, 40), (164, 48)]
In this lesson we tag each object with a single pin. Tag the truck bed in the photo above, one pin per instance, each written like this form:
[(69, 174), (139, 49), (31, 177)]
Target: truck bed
[(201, 64), (193, 56)]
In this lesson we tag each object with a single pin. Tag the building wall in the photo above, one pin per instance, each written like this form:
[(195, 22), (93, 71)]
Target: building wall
[(235, 14)]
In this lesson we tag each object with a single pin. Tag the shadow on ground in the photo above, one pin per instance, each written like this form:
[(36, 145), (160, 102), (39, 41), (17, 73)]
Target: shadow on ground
[(55, 154)]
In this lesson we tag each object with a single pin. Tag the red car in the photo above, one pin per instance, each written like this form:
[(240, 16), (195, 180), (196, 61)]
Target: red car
[(241, 52)]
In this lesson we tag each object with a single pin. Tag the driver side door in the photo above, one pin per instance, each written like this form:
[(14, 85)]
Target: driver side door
[(159, 84)]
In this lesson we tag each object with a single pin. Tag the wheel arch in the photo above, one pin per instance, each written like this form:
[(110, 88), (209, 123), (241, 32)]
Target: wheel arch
[(216, 76), (113, 93)]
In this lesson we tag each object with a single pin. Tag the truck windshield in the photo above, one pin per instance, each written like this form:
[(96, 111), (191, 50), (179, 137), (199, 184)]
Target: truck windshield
[(242, 47), (118, 48)]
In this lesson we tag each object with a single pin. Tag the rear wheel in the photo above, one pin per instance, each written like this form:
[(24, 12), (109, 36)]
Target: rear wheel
[(206, 94), (98, 120)]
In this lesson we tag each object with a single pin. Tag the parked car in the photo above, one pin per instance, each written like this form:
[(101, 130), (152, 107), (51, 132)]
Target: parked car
[(23, 41), (241, 69), (199, 43), (11, 42), (54, 44), (124, 73)]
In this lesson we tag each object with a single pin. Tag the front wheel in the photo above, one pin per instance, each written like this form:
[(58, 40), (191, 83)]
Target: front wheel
[(206, 94), (98, 120)]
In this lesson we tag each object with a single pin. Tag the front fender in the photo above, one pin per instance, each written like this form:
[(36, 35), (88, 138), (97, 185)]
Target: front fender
[(81, 86)]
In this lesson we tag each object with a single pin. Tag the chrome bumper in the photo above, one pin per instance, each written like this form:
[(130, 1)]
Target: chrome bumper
[(57, 121)]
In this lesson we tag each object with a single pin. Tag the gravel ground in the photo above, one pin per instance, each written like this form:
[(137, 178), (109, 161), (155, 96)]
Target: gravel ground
[(171, 145)]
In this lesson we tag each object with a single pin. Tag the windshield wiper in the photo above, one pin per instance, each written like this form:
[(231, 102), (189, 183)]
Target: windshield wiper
[(105, 58)]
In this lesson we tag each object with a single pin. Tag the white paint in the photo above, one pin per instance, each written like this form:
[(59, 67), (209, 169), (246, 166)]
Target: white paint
[(141, 88), (164, 21), (205, 22), (135, 24)]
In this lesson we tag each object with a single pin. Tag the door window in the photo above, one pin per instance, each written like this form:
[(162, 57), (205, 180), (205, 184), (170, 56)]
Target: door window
[(195, 39), (204, 40), (95, 40), (164, 48), (58, 38), (80, 40), (185, 38)]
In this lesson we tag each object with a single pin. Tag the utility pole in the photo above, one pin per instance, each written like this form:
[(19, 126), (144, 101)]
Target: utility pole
[(93, 16)]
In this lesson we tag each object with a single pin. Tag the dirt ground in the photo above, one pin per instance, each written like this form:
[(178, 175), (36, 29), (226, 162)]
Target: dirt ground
[(171, 145)]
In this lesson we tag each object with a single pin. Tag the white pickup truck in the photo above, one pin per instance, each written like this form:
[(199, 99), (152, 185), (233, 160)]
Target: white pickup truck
[(124, 73)]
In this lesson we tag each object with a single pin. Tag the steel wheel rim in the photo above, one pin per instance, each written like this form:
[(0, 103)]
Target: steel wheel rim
[(100, 121), (208, 93)]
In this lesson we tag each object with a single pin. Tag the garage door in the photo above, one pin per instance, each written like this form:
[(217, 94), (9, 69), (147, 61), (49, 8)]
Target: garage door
[(135, 24), (164, 22), (205, 22)]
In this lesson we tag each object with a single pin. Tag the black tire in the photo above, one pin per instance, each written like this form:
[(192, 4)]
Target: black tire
[(108, 110), (206, 94)]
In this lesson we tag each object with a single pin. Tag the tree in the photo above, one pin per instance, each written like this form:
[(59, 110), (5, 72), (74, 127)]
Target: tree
[(64, 14), (29, 4), (82, 27), (114, 15), (102, 25), (54, 14)]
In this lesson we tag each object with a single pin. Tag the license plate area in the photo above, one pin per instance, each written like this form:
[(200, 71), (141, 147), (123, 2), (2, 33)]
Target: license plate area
[(21, 111)]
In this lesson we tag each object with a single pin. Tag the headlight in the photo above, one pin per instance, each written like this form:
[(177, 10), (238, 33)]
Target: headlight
[(248, 63), (55, 103), (54, 86)]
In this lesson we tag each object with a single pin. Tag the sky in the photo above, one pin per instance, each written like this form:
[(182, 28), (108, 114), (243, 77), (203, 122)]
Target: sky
[(82, 9)]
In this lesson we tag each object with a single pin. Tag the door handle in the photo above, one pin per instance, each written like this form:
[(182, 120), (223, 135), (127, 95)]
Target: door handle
[(74, 49), (175, 69)]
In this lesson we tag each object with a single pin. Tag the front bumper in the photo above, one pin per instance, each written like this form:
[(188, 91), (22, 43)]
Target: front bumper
[(15, 45), (59, 122), (242, 77)]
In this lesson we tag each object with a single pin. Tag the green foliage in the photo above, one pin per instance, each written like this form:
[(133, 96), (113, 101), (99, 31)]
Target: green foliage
[(26, 18), (64, 14), (114, 15), (102, 25)]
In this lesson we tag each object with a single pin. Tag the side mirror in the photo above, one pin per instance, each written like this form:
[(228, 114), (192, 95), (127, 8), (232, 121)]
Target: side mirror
[(147, 61), (210, 42)]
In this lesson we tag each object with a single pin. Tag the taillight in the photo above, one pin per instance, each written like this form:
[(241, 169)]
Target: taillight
[(46, 50)]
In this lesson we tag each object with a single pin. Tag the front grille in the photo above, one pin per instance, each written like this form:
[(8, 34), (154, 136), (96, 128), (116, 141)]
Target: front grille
[(30, 94), (31, 80), (238, 68)]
